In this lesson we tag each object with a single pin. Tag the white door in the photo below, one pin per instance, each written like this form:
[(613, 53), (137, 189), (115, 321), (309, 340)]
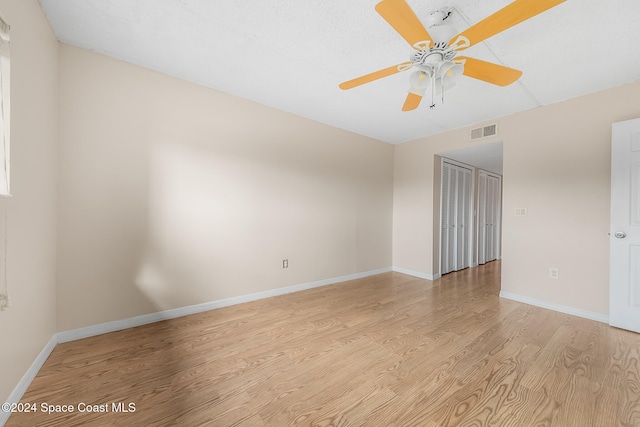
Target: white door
[(624, 283), (482, 217), (456, 216), (448, 231), (463, 219), (489, 204), (493, 217)]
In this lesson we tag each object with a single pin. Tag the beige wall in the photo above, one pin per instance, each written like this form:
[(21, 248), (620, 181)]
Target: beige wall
[(172, 194), (29, 323), (413, 199), (556, 164)]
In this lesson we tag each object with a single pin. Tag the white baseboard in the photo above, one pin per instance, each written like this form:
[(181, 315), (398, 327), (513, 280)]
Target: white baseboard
[(117, 325), (26, 379), (599, 317), (416, 273)]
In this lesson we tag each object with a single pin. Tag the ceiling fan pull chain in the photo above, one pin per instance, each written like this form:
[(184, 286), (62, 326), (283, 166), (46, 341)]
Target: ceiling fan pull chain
[(442, 75), (433, 91)]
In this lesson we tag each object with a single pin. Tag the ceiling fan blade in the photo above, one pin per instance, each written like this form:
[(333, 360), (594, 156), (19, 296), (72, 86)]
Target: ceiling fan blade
[(507, 17), (412, 102), (375, 75), (400, 16), (489, 72)]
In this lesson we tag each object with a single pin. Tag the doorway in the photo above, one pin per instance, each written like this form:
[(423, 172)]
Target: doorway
[(463, 242)]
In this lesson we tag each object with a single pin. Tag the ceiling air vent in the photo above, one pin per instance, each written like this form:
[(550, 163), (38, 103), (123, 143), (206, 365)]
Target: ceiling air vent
[(476, 133), (484, 131)]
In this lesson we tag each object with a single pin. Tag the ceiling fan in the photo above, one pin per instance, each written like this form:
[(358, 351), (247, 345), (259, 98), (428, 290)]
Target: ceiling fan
[(436, 48)]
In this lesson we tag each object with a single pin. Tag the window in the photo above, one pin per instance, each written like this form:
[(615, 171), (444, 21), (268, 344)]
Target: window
[(5, 119)]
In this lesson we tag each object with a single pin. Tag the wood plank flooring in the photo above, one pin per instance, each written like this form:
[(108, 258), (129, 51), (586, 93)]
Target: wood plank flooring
[(389, 350)]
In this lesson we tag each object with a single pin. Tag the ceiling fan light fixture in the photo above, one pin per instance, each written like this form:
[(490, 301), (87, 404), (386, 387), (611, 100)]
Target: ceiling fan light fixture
[(450, 71), (447, 77), (419, 82)]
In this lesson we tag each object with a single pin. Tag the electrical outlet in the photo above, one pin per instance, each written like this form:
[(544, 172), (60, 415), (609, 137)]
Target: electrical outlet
[(554, 273), (285, 263)]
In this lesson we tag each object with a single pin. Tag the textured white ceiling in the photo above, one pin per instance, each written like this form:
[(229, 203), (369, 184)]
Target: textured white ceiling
[(292, 54)]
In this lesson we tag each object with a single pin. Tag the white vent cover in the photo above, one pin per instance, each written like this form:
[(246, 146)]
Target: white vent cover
[(476, 133), (484, 131)]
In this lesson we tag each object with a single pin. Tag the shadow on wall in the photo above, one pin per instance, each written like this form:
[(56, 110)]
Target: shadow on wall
[(221, 222), (199, 224)]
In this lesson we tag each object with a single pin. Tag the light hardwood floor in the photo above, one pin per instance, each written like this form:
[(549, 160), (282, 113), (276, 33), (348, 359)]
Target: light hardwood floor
[(389, 350)]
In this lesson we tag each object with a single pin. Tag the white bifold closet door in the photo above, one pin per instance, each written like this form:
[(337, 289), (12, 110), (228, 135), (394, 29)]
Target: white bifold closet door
[(489, 203), (456, 217)]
